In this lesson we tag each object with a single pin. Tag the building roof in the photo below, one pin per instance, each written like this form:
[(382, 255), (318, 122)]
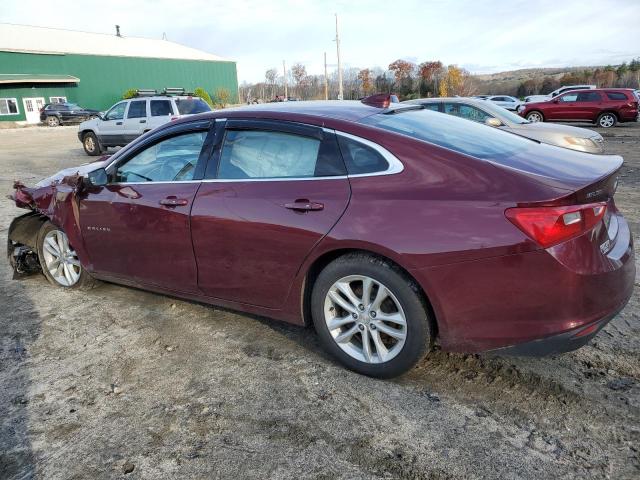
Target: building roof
[(8, 78), (52, 41)]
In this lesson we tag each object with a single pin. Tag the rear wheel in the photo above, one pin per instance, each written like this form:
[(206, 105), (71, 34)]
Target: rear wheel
[(535, 116), (53, 121), (606, 120), (91, 144), (59, 260), (370, 316)]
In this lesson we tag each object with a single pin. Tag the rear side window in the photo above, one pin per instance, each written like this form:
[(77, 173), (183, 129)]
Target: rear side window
[(360, 158), (432, 106), (465, 111), (588, 97), (190, 106), (137, 109), (616, 96), (447, 131), (267, 154), (160, 108)]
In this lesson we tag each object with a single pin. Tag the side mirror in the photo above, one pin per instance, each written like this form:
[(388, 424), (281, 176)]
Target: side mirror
[(493, 122), (97, 178)]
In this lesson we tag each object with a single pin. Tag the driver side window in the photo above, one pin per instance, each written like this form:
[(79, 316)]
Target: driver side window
[(116, 112), (171, 160)]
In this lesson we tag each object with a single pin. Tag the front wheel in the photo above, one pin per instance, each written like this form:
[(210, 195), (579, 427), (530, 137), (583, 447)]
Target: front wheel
[(371, 316), (91, 144), (606, 120), (59, 260), (535, 117)]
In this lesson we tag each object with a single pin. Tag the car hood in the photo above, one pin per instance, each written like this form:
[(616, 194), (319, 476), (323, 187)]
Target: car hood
[(554, 128), (89, 124), (80, 170)]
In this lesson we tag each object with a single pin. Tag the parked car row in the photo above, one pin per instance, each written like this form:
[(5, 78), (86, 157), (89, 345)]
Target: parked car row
[(481, 111), (385, 225)]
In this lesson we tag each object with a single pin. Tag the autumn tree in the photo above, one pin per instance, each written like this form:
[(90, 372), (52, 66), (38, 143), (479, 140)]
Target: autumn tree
[(365, 79), (456, 81), (403, 74), (221, 97), (430, 72)]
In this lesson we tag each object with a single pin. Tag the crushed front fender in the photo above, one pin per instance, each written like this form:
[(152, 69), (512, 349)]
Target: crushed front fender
[(22, 241)]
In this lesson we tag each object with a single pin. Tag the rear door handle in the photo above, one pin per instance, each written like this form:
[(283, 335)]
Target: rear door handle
[(143, 121), (304, 205), (174, 202), (118, 123)]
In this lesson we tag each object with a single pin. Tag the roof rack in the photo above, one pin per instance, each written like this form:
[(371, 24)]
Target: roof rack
[(145, 92), (166, 92)]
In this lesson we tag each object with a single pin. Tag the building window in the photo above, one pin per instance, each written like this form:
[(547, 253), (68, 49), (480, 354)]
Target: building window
[(58, 99), (8, 106)]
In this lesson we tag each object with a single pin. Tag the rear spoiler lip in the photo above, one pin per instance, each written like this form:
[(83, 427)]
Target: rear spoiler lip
[(601, 189), (566, 185)]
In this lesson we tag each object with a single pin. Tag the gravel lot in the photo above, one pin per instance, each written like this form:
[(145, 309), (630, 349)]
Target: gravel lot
[(119, 380)]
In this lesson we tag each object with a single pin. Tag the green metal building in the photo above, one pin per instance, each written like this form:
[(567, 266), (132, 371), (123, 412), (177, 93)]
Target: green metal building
[(43, 65)]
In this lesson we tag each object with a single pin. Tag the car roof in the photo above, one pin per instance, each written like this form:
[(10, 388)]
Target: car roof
[(350, 110)]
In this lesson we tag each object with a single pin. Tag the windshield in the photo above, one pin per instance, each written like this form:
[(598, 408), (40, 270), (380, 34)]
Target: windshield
[(190, 106), (503, 114), (462, 136)]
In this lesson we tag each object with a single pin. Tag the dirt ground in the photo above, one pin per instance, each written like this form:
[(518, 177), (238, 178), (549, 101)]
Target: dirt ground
[(119, 380)]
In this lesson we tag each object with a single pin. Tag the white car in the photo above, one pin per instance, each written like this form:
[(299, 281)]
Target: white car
[(130, 118), (505, 101), (555, 93)]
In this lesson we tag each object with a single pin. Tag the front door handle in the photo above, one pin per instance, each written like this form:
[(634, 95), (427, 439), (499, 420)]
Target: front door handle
[(173, 201), (304, 205), (118, 123), (143, 121)]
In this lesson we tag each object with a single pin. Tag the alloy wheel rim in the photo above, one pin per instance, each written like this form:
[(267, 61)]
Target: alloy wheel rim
[(606, 121), (53, 121), (60, 259), (89, 143), (534, 117), (365, 319)]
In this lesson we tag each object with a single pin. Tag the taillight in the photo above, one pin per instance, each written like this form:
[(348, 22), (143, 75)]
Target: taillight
[(549, 226)]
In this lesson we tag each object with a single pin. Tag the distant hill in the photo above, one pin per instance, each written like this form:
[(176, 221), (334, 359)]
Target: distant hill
[(530, 73)]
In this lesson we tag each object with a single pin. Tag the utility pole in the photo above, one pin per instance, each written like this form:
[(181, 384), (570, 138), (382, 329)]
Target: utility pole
[(340, 91), (284, 71), (326, 79)]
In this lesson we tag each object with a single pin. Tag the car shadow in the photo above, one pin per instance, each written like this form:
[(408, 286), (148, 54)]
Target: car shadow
[(18, 334)]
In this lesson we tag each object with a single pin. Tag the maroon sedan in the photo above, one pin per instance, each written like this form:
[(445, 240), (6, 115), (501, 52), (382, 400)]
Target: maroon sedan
[(388, 228)]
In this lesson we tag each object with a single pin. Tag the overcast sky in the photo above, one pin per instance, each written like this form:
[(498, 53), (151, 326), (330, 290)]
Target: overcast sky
[(483, 36)]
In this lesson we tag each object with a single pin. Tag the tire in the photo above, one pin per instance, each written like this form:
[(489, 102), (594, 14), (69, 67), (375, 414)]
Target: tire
[(72, 274), (91, 144), (535, 116), (52, 121), (404, 303), (606, 120)]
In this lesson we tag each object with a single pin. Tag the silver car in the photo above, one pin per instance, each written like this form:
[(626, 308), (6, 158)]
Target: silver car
[(505, 101), (581, 139)]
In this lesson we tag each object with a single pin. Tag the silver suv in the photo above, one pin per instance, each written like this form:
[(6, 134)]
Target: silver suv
[(130, 118)]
